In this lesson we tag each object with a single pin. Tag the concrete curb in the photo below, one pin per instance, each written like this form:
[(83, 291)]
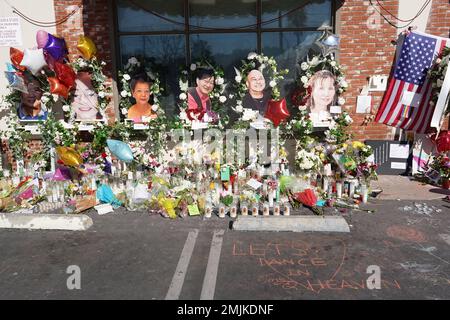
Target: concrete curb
[(292, 223), (45, 221)]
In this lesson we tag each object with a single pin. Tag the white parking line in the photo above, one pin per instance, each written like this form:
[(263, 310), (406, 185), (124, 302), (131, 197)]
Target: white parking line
[(183, 263), (209, 282)]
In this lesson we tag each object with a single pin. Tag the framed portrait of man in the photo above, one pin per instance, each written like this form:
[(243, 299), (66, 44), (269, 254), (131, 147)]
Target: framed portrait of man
[(30, 108)]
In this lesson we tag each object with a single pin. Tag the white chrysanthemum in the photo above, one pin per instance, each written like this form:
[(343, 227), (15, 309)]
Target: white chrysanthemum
[(182, 96), (341, 101), (239, 108), (333, 63), (302, 108), (193, 67), (101, 94), (124, 93), (155, 107), (183, 85), (124, 111), (249, 115), (222, 99), (272, 83), (348, 119), (304, 66), (55, 97), (304, 79), (219, 81), (183, 115), (66, 108), (238, 78), (252, 55), (126, 76), (344, 84), (133, 61), (45, 99)]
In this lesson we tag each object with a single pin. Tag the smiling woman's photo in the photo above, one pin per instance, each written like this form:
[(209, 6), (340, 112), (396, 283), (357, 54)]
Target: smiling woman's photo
[(85, 102)]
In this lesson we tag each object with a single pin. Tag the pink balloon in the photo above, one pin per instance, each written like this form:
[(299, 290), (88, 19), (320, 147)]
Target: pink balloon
[(41, 38)]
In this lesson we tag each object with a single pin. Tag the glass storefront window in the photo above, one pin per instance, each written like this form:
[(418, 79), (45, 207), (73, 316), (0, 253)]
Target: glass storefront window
[(142, 16), (310, 14), (222, 14), (224, 49)]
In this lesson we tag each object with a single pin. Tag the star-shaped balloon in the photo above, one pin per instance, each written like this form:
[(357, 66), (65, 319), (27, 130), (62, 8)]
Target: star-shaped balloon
[(277, 111), (86, 47), (56, 47), (16, 82), (16, 57), (57, 87), (33, 60), (65, 74)]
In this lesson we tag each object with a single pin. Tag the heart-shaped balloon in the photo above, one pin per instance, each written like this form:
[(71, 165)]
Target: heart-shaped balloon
[(120, 149), (69, 156), (33, 60), (442, 141), (56, 47), (277, 111), (41, 38), (16, 57), (57, 87), (66, 74), (87, 47)]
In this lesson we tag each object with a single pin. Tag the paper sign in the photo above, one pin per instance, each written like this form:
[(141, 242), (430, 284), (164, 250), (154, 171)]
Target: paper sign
[(140, 126), (225, 174), (364, 104), (398, 165), (193, 210), (400, 151), (255, 184), (335, 109), (198, 125), (10, 32)]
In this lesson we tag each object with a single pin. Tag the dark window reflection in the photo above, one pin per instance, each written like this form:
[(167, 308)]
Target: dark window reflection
[(222, 14), (224, 49), (137, 15), (313, 14)]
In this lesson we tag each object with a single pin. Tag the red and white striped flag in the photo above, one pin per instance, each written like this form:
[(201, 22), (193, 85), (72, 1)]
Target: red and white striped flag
[(406, 103)]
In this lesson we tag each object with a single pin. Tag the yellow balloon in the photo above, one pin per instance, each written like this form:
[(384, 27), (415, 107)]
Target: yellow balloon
[(87, 47), (69, 156)]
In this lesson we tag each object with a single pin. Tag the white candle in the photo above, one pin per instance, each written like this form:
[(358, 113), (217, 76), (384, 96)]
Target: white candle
[(339, 189), (255, 210), (364, 193), (244, 210), (266, 209), (271, 196), (208, 211), (276, 210), (233, 211), (286, 210)]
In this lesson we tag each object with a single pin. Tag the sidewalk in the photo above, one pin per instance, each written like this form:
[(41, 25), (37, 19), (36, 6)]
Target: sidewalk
[(405, 188)]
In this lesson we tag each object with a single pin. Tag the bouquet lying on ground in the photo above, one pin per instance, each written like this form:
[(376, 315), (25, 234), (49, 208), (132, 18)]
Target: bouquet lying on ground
[(308, 198)]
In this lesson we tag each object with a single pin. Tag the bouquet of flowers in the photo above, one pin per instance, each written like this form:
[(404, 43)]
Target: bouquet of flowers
[(308, 198), (441, 163)]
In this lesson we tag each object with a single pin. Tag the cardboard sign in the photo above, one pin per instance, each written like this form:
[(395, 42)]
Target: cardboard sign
[(225, 174)]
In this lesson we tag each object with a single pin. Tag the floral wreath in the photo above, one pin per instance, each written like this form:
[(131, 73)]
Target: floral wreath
[(254, 59), (307, 69), (131, 69), (437, 74), (98, 79), (217, 96)]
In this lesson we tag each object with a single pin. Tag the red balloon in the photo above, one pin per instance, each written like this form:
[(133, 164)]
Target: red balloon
[(65, 74), (277, 111), (442, 141), (16, 57), (58, 88)]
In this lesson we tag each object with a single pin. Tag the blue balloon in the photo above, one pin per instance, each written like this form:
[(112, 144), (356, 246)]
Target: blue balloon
[(120, 149), (10, 67), (16, 82)]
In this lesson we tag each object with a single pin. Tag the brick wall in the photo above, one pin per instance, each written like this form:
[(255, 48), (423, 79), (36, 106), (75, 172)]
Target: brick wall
[(365, 50), (439, 25)]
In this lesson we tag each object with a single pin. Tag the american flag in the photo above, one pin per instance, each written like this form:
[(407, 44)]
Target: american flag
[(406, 103)]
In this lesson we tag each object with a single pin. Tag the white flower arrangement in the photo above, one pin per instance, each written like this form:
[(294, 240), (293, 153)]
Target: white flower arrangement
[(99, 81), (216, 96), (307, 160), (132, 68), (261, 62)]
